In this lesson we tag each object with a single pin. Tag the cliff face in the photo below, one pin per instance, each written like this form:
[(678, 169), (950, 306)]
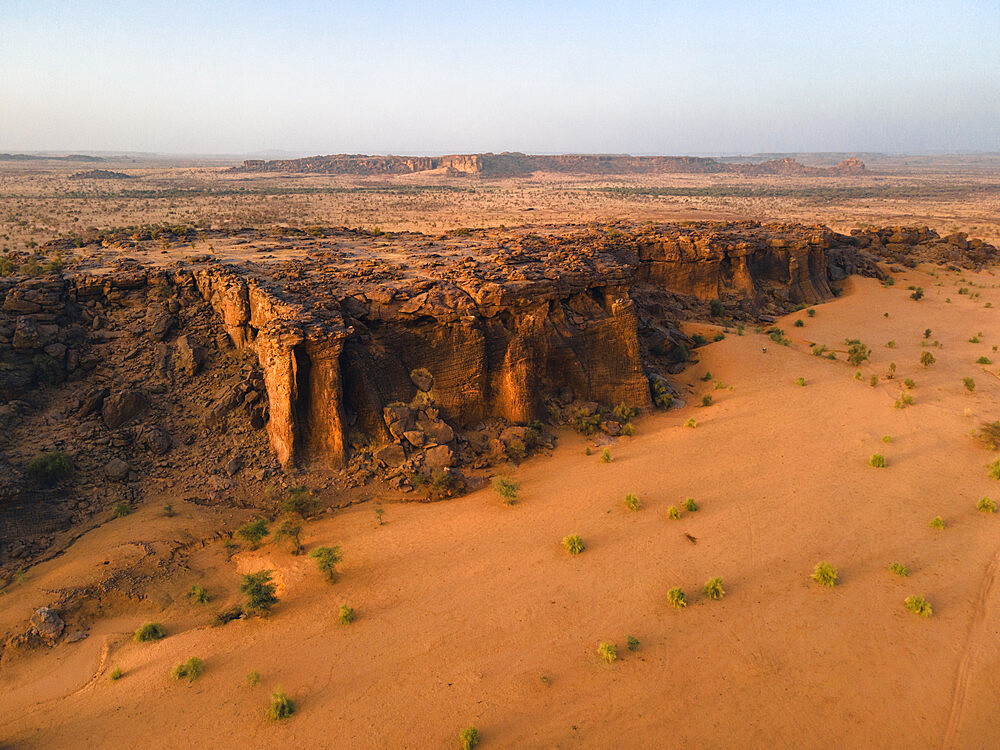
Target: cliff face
[(513, 164)]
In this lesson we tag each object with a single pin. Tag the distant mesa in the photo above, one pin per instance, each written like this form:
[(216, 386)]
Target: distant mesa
[(515, 164), (101, 174), (47, 157)]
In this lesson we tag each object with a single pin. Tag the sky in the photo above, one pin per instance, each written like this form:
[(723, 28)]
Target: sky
[(395, 76)]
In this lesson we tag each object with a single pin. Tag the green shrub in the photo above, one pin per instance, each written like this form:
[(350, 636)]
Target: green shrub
[(904, 400), (632, 502), (873, 381), (326, 560), (168, 511), (253, 532), (800, 381), (798, 323), (573, 544), (986, 505), (662, 398), (713, 589), (672, 513), (632, 644), (706, 400), (299, 500), (811, 313), (877, 461), (698, 340), (825, 574), (989, 435), (918, 605), (899, 569), (116, 674), (857, 352), (676, 597), (506, 488), (151, 631), (190, 669), (120, 510), (891, 344), (995, 469), (623, 413), (716, 309), (253, 678), (259, 591), (469, 738), (983, 361), (926, 359), (936, 523), (347, 615), (607, 651), (606, 456), (197, 594), (908, 382), (970, 384), (690, 505), (292, 532), (691, 423), (281, 706), (51, 467), (706, 377), (887, 438), (917, 293)]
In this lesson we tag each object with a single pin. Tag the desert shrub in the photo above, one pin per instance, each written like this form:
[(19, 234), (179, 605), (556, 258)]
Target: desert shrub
[(690, 505), (706, 377), (719, 336), (151, 631), (936, 523), (778, 337), (116, 674), (825, 574), (120, 510), (899, 569), (917, 293), (877, 461), (632, 502), (873, 381), (227, 615), (995, 469), (469, 738), (197, 594), (706, 400), (253, 678), (983, 361), (281, 706), (918, 605), (168, 510), (506, 488), (190, 670), (698, 340), (800, 381), (713, 589), (986, 505), (292, 532), (632, 644), (326, 560), (607, 651), (584, 423), (811, 313), (716, 309), (857, 352), (892, 371), (259, 591), (573, 544), (927, 359), (347, 615), (970, 384), (606, 456), (691, 423), (672, 513), (623, 412), (678, 354), (676, 598), (253, 532), (662, 398), (989, 435), (51, 467), (628, 429), (798, 323), (299, 500), (891, 344)]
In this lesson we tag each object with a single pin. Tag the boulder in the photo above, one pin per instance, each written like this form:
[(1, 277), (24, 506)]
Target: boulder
[(116, 469), (422, 379), (47, 623), (391, 454), (437, 431), (439, 457), (190, 356), (120, 408)]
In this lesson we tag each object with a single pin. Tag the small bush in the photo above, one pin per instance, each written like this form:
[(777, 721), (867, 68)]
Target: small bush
[(995, 469), (800, 381), (706, 400), (606, 456), (151, 631), (908, 382), (326, 560), (989, 435), (676, 598), (918, 605), (690, 505), (716, 308), (811, 313), (299, 500), (672, 513), (281, 706), (899, 569), (227, 615), (168, 511), (190, 670), (706, 377), (506, 488), (936, 523), (877, 461), (292, 532), (197, 594), (927, 333), (623, 413), (904, 400), (970, 384), (691, 423), (347, 615), (632, 644), (927, 359), (713, 589), (983, 361), (120, 510), (698, 340), (917, 293), (891, 344), (986, 505), (116, 674), (259, 591), (469, 738), (253, 532), (607, 651), (51, 467), (632, 502), (662, 398), (887, 438), (825, 574), (253, 678), (857, 352), (573, 544), (873, 381)]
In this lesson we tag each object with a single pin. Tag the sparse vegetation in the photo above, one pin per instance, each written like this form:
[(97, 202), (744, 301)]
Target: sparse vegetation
[(190, 670), (983, 361), (281, 706), (825, 574), (259, 591), (672, 513), (917, 293), (676, 598), (713, 589), (691, 423), (927, 359), (632, 644), (899, 569), (326, 560), (253, 532), (115, 674), (995, 469), (120, 510), (506, 488), (800, 381), (936, 523), (857, 352), (970, 384), (299, 500), (706, 400), (606, 456), (918, 605), (607, 651), (469, 738), (253, 678), (877, 461), (986, 505), (197, 594), (573, 544), (690, 505), (632, 502), (347, 615), (49, 468), (151, 631)]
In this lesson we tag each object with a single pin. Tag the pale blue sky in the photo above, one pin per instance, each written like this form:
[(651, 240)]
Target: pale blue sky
[(236, 76)]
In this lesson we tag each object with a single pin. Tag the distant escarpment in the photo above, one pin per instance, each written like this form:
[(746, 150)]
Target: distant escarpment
[(513, 164), (411, 359), (100, 174)]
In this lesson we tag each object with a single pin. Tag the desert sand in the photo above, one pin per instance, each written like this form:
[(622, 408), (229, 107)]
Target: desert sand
[(469, 612)]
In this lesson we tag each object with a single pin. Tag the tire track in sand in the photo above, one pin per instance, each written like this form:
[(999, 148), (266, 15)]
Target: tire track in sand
[(977, 633)]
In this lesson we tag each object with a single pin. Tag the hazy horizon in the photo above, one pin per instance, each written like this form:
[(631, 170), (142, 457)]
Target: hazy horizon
[(237, 79)]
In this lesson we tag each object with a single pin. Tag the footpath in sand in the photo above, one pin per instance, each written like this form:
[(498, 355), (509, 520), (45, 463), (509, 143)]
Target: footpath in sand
[(469, 612)]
